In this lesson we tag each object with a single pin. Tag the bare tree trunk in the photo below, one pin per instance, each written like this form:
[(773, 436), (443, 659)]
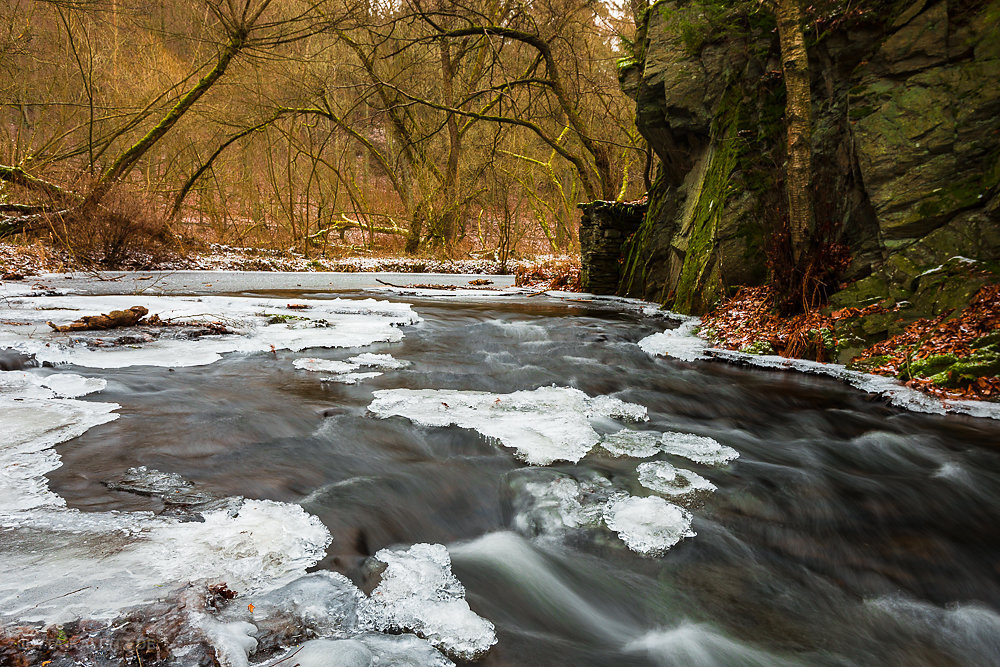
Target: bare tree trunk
[(449, 210), (798, 121)]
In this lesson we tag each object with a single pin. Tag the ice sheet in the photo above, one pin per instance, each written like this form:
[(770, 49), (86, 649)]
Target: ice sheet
[(258, 325), (346, 371), (680, 343), (418, 593), (635, 444), (66, 564), (542, 425), (697, 448), (33, 419), (349, 378), (662, 477), (649, 526), (385, 361), (323, 365), (364, 651)]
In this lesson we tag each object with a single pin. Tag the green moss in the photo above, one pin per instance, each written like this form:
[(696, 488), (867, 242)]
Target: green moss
[(858, 113), (963, 194), (760, 347), (693, 290), (281, 319), (634, 246)]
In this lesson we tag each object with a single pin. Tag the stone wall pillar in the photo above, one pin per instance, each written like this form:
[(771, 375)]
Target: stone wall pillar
[(604, 228)]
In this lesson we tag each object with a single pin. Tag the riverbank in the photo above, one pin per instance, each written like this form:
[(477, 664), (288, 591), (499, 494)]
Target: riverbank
[(952, 355), (38, 257)]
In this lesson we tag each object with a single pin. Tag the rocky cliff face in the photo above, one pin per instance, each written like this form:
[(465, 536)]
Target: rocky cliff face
[(906, 141)]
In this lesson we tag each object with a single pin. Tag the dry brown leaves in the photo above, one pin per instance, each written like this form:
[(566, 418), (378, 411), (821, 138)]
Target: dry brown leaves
[(559, 274), (945, 334), (748, 318)]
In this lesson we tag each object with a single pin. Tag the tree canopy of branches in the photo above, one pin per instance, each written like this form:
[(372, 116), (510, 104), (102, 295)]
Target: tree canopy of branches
[(320, 124)]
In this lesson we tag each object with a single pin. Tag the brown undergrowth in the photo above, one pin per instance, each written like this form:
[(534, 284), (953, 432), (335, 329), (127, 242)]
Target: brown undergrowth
[(557, 274), (748, 322)]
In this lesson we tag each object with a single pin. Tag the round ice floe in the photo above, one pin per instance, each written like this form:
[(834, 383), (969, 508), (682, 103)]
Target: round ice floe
[(543, 425), (349, 378), (636, 444), (323, 365), (664, 478), (385, 361), (648, 526), (697, 448), (68, 385), (418, 593)]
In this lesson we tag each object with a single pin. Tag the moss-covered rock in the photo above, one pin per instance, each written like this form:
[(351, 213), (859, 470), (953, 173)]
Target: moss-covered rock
[(906, 140)]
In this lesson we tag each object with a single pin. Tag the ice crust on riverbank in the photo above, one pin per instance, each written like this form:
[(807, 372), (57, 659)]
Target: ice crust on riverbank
[(682, 343), (257, 325), (418, 593), (35, 415), (542, 425)]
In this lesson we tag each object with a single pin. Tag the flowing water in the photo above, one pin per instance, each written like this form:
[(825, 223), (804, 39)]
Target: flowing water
[(847, 532)]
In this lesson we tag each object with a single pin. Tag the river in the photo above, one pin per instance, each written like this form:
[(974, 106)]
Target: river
[(846, 532)]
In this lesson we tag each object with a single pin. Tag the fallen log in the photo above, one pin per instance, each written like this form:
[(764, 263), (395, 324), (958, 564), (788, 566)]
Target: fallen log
[(113, 320)]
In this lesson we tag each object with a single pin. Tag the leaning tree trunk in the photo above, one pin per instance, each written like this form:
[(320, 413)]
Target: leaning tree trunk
[(798, 121), (124, 163)]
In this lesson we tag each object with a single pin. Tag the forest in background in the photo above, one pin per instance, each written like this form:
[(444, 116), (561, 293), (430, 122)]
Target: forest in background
[(337, 127)]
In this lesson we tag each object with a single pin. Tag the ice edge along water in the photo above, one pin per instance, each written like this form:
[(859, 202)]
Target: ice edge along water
[(258, 325), (684, 344)]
